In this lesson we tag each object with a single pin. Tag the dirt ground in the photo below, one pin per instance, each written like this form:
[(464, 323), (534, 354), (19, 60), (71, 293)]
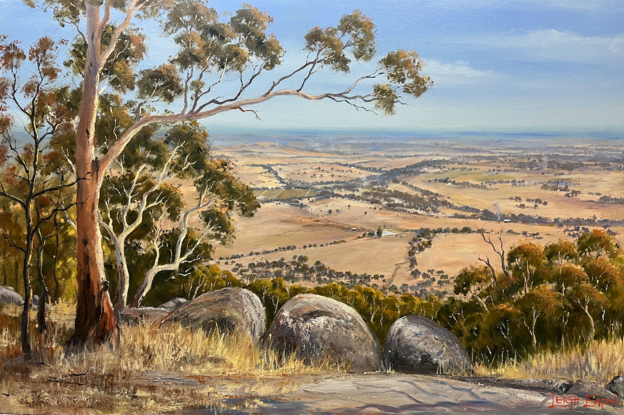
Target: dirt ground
[(302, 394)]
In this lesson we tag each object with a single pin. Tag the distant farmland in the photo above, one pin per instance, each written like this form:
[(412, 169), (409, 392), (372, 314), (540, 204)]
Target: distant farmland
[(283, 194)]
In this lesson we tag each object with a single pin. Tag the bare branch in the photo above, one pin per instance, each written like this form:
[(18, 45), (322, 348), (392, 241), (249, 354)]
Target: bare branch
[(131, 9)]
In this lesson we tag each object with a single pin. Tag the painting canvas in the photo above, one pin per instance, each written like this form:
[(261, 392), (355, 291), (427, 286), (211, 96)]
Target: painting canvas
[(328, 207)]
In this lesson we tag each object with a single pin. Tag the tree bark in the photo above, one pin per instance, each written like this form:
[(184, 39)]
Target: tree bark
[(26, 350), (57, 288), (16, 269), (41, 312), (592, 326), (95, 318)]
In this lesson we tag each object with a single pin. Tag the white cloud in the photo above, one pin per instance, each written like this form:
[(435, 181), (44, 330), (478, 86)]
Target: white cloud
[(557, 46), (459, 72)]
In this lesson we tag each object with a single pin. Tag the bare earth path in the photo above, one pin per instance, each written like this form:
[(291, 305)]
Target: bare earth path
[(390, 394)]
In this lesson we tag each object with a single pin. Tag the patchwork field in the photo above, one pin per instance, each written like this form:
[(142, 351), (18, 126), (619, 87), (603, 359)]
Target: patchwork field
[(328, 202)]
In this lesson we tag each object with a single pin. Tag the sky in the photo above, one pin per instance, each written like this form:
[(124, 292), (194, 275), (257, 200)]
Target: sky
[(526, 66)]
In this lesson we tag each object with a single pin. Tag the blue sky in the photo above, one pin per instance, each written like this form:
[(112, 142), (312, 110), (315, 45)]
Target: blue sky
[(511, 66)]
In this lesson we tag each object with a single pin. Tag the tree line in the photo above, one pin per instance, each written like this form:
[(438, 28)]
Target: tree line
[(512, 305)]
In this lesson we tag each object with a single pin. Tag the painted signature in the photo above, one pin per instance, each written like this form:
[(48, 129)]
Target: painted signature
[(591, 401)]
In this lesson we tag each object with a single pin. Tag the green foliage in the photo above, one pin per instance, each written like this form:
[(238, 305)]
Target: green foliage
[(403, 71), (118, 71), (204, 41), (161, 84), (138, 196), (548, 296), (403, 68), (385, 98), (359, 32), (597, 242)]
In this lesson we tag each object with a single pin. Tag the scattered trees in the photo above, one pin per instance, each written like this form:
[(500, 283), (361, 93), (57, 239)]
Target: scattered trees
[(530, 302)]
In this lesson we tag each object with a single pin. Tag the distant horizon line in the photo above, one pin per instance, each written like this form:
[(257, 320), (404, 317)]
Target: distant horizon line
[(562, 133)]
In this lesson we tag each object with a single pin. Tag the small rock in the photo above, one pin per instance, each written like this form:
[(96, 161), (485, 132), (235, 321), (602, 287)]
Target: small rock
[(560, 386), (589, 390), (48, 308), (9, 296), (616, 386)]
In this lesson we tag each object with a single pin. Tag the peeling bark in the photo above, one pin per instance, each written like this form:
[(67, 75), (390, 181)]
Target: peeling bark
[(95, 319)]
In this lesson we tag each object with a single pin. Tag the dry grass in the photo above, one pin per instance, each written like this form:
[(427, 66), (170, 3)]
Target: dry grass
[(145, 347), (168, 369), (599, 361)]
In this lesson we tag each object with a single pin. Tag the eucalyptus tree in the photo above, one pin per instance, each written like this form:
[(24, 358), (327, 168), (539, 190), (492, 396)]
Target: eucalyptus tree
[(210, 48), (146, 201)]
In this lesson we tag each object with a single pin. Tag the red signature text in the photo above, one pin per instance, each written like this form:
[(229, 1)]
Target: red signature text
[(590, 401)]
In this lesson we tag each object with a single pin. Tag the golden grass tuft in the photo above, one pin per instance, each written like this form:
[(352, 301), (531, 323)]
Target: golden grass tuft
[(175, 348), (598, 361)]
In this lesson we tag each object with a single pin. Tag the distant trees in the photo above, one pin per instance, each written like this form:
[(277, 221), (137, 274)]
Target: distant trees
[(538, 292)]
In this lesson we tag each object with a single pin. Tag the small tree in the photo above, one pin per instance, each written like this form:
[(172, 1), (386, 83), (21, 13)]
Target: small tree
[(585, 296), (32, 179), (597, 242), (539, 303), (474, 281), (525, 261), (561, 251), (141, 200)]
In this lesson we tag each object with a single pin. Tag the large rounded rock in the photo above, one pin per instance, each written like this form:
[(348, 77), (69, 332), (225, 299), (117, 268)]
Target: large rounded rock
[(316, 328), (232, 310), (417, 344), (9, 296)]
